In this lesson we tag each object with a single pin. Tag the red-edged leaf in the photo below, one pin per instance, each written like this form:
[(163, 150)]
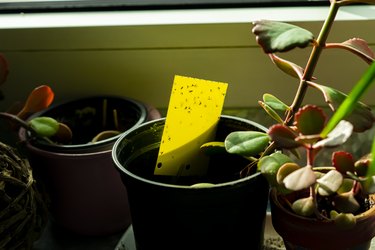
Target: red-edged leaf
[(361, 117), (283, 136), (310, 120), (362, 165), (287, 67), (357, 46), (343, 161), (275, 36), (40, 98)]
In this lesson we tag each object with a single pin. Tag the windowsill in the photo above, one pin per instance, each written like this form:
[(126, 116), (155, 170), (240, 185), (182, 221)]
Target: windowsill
[(172, 17)]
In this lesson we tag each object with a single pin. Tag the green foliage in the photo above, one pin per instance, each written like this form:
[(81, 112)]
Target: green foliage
[(44, 126)]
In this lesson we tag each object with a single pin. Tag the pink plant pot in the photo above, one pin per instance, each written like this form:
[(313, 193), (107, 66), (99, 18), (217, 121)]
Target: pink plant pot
[(84, 191)]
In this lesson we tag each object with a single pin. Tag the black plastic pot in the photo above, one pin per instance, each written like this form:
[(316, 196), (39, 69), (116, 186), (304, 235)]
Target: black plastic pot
[(170, 214), (85, 191)]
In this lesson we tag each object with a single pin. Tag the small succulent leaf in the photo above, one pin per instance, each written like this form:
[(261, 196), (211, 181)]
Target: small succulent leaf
[(331, 181), (338, 136), (44, 126), (269, 166), (362, 165), (275, 36), (275, 103), (300, 179), (346, 186), (271, 112), (246, 143), (287, 67), (4, 70), (63, 135), (343, 220), (310, 120), (304, 206), (343, 161), (361, 117), (357, 46), (346, 203), (40, 98), (283, 136), (285, 170), (213, 148)]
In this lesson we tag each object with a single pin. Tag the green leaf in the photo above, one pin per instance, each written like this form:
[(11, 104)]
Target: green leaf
[(283, 136), (351, 101), (310, 120), (287, 67), (271, 112), (246, 143), (304, 206), (212, 148), (275, 103), (346, 203), (343, 220), (44, 126), (269, 166), (275, 36), (357, 113)]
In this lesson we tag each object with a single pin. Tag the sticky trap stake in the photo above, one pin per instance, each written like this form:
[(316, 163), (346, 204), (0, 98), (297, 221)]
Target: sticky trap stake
[(194, 111)]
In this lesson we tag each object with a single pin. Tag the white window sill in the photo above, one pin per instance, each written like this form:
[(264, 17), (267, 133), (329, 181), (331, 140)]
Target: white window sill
[(172, 17)]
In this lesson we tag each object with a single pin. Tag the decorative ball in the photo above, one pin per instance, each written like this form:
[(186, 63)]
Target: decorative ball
[(23, 214)]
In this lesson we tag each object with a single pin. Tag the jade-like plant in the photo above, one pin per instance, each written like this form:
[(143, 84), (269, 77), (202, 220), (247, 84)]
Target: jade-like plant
[(42, 128), (334, 192)]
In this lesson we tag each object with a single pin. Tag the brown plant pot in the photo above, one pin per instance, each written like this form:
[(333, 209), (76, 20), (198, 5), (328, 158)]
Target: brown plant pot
[(307, 233), (86, 194)]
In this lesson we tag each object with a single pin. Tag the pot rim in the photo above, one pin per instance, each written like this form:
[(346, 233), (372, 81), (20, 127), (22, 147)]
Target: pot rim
[(161, 184), (87, 148)]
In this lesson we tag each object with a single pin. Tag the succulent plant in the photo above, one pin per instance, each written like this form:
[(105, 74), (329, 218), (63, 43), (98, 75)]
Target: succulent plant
[(334, 192)]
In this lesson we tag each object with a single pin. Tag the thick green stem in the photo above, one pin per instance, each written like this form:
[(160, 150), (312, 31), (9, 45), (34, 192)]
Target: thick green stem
[(313, 60)]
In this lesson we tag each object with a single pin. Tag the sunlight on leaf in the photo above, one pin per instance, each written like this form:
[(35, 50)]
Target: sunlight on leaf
[(330, 182), (357, 46), (275, 36), (287, 67), (275, 103), (246, 143), (271, 112), (300, 179), (338, 136)]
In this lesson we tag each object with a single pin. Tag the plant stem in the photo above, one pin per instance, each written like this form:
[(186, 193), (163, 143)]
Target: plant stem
[(313, 61)]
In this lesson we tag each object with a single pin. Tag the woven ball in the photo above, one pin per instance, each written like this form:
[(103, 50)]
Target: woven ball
[(22, 212)]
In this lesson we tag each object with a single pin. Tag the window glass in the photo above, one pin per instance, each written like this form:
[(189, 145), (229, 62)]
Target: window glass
[(87, 5)]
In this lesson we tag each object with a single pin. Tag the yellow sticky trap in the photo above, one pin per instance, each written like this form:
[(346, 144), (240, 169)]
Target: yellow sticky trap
[(194, 110)]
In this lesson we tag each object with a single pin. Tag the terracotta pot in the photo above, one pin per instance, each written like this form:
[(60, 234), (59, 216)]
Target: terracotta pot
[(306, 233), (85, 190), (169, 214)]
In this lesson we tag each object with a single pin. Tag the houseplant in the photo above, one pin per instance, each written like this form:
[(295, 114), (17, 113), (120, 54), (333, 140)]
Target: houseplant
[(315, 206), (69, 148)]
